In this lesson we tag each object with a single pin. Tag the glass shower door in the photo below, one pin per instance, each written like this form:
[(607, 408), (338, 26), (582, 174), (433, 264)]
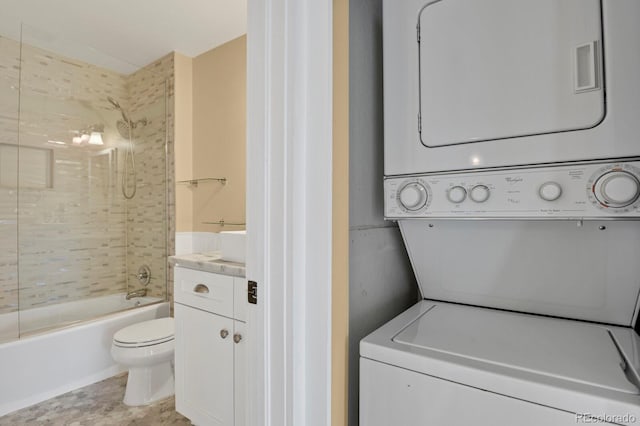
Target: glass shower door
[(89, 125), (9, 110)]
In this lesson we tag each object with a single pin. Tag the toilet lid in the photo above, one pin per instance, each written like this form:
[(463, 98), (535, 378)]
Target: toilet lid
[(146, 333)]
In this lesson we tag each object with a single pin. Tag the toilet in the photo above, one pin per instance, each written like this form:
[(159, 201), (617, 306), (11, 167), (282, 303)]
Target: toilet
[(147, 349)]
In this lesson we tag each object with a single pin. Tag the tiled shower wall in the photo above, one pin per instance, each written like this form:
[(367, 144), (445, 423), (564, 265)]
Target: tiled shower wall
[(147, 229), (78, 237)]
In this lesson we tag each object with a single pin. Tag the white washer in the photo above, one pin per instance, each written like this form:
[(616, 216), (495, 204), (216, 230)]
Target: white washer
[(487, 345), (455, 365), (512, 166)]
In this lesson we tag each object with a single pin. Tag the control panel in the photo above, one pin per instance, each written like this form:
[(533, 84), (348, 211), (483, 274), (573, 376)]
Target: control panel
[(576, 191)]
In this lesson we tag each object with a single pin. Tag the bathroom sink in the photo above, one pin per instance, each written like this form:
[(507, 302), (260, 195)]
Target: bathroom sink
[(233, 245)]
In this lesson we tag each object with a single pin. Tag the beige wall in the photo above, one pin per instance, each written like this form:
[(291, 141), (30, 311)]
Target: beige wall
[(219, 136), (183, 140), (340, 237)]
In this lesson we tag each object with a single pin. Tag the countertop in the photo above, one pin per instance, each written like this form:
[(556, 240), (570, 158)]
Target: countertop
[(208, 262)]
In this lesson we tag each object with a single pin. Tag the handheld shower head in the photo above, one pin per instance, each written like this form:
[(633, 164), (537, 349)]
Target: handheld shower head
[(117, 106), (114, 102)]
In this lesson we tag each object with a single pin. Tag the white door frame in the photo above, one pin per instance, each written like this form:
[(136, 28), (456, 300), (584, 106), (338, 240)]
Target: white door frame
[(289, 175)]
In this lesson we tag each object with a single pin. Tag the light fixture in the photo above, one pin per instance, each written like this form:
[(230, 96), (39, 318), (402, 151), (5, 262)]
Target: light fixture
[(95, 139), (96, 134), (91, 135)]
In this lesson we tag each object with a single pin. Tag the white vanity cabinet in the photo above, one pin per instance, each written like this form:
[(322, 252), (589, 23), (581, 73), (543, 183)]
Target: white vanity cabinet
[(210, 356)]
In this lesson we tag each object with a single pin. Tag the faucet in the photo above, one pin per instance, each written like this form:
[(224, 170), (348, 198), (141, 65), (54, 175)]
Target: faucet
[(141, 292)]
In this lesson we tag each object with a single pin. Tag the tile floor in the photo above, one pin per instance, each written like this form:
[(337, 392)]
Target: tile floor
[(99, 404)]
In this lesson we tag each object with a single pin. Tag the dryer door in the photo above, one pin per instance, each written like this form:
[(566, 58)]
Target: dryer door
[(497, 69)]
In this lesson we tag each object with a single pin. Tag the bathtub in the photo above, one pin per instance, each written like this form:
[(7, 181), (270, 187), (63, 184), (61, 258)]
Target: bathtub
[(51, 360)]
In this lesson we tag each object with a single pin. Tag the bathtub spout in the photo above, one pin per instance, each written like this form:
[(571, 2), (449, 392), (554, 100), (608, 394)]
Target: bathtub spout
[(141, 292)]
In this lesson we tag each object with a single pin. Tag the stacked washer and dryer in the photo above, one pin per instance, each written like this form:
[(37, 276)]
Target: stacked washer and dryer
[(512, 166)]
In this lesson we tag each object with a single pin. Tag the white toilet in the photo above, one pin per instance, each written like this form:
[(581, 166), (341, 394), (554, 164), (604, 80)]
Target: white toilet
[(147, 350)]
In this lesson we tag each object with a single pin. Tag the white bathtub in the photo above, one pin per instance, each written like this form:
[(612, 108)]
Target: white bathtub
[(40, 366)]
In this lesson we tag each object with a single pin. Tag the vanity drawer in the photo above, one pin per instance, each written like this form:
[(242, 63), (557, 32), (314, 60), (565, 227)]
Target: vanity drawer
[(204, 290)]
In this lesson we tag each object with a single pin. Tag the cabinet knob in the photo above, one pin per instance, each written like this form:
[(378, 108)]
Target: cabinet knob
[(224, 333), (237, 337)]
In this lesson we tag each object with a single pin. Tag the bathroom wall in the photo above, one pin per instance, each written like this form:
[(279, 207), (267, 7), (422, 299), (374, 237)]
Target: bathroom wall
[(340, 217), (219, 136), (381, 282), (183, 140)]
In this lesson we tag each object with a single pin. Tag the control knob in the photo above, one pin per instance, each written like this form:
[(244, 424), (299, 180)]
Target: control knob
[(456, 194), (550, 191), (479, 193), (413, 196), (617, 189)]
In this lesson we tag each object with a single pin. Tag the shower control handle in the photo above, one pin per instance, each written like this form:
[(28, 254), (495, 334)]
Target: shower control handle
[(144, 275), (237, 337), (224, 333)]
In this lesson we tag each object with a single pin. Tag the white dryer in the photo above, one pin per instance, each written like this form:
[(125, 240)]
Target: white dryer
[(489, 83), (512, 165)]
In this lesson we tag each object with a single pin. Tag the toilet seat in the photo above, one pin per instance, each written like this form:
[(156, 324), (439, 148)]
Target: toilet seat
[(147, 333)]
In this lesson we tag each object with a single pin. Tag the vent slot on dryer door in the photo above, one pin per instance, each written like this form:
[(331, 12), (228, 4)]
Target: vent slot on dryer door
[(501, 69)]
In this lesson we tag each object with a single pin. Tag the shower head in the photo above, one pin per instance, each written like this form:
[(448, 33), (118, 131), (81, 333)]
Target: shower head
[(123, 128)]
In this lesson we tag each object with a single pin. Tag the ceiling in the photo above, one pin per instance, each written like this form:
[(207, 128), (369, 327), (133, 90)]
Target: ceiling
[(123, 35)]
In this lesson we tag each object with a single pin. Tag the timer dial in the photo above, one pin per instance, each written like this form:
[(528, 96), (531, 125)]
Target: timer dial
[(617, 189), (413, 196)]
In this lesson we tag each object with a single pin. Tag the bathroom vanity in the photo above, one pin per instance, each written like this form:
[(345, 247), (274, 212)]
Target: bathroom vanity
[(210, 355)]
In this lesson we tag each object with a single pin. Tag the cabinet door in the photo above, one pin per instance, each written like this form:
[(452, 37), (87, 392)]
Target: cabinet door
[(240, 371), (204, 366)]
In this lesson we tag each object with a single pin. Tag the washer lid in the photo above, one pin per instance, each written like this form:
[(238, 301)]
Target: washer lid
[(569, 350), (147, 332)]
